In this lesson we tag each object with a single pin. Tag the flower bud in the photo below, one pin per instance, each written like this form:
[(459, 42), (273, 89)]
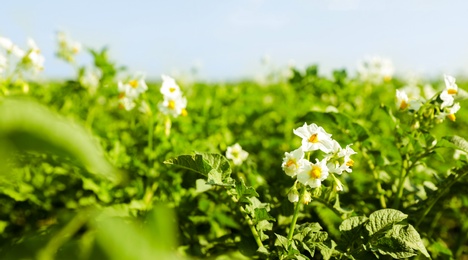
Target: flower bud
[(307, 198), (293, 195)]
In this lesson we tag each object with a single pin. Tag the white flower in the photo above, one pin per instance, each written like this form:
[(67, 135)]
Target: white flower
[(126, 103), (313, 174), (10, 47), (34, 56), (236, 154), (450, 113), (169, 87), (173, 106), (402, 99), (90, 79), (314, 138), (293, 162), (375, 69), (340, 159), (144, 108), (134, 87), (450, 85), (447, 99), (3, 63), (67, 48)]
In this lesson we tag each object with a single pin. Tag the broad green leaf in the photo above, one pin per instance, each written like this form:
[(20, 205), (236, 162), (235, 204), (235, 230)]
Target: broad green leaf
[(394, 247), (383, 219), (401, 241), (28, 126), (351, 228), (410, 237), (213, 166)]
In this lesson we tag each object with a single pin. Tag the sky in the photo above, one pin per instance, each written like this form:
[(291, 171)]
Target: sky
[(229, 39)]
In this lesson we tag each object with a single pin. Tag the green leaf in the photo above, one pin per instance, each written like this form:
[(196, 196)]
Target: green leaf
[(351, 229), (281, 241), (213, 166), (29, 126), (383, 219), (244, 192), (455, 142), (262, 214), (401, 241)]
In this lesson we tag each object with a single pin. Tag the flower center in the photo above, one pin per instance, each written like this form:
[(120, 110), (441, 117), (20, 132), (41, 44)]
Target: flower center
[(121, 95), (290, 163), (171, 90), (403, 105), (316, 172), (452, 117), (350, 163), (171, 104), (313, 138), (452, 91), (133, 83)]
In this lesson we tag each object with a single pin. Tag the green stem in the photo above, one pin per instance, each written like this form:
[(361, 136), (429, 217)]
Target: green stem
[(440, 192), (64, 234), (295, 216), (401, 181), (150, 132), (380, 191), (246, 216)]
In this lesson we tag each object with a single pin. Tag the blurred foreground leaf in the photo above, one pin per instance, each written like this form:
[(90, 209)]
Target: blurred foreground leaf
[(28, 126)]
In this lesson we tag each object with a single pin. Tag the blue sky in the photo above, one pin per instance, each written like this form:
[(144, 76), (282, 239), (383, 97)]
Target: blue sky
[(227, 39)]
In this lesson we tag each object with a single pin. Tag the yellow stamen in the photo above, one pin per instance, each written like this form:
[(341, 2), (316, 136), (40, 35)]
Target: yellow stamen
[(172, 90), (452, 91), (452, 117), (171, 104), (350, 163), (403, 105), (316, 172), (133, 83), (313, 138), (184, 112), (290, 162)]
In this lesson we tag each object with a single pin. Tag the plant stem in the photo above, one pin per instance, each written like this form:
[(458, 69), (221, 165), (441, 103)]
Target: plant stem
[(150, 132), (440, 192), (64, 234), (295, 216), (380, 191), (401, 181), (248, 219)]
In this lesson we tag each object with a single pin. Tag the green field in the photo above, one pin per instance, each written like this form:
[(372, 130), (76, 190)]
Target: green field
[(106, 165)]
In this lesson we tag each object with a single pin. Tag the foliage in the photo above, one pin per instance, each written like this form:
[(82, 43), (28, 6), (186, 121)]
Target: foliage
[(91, 170)]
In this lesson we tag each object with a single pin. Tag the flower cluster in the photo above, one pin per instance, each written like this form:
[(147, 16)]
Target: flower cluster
[(335, 160), (236, 154), (438, 107), (67, 48), (375, 69), (29, 59), (174, 103), (130, 90)]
